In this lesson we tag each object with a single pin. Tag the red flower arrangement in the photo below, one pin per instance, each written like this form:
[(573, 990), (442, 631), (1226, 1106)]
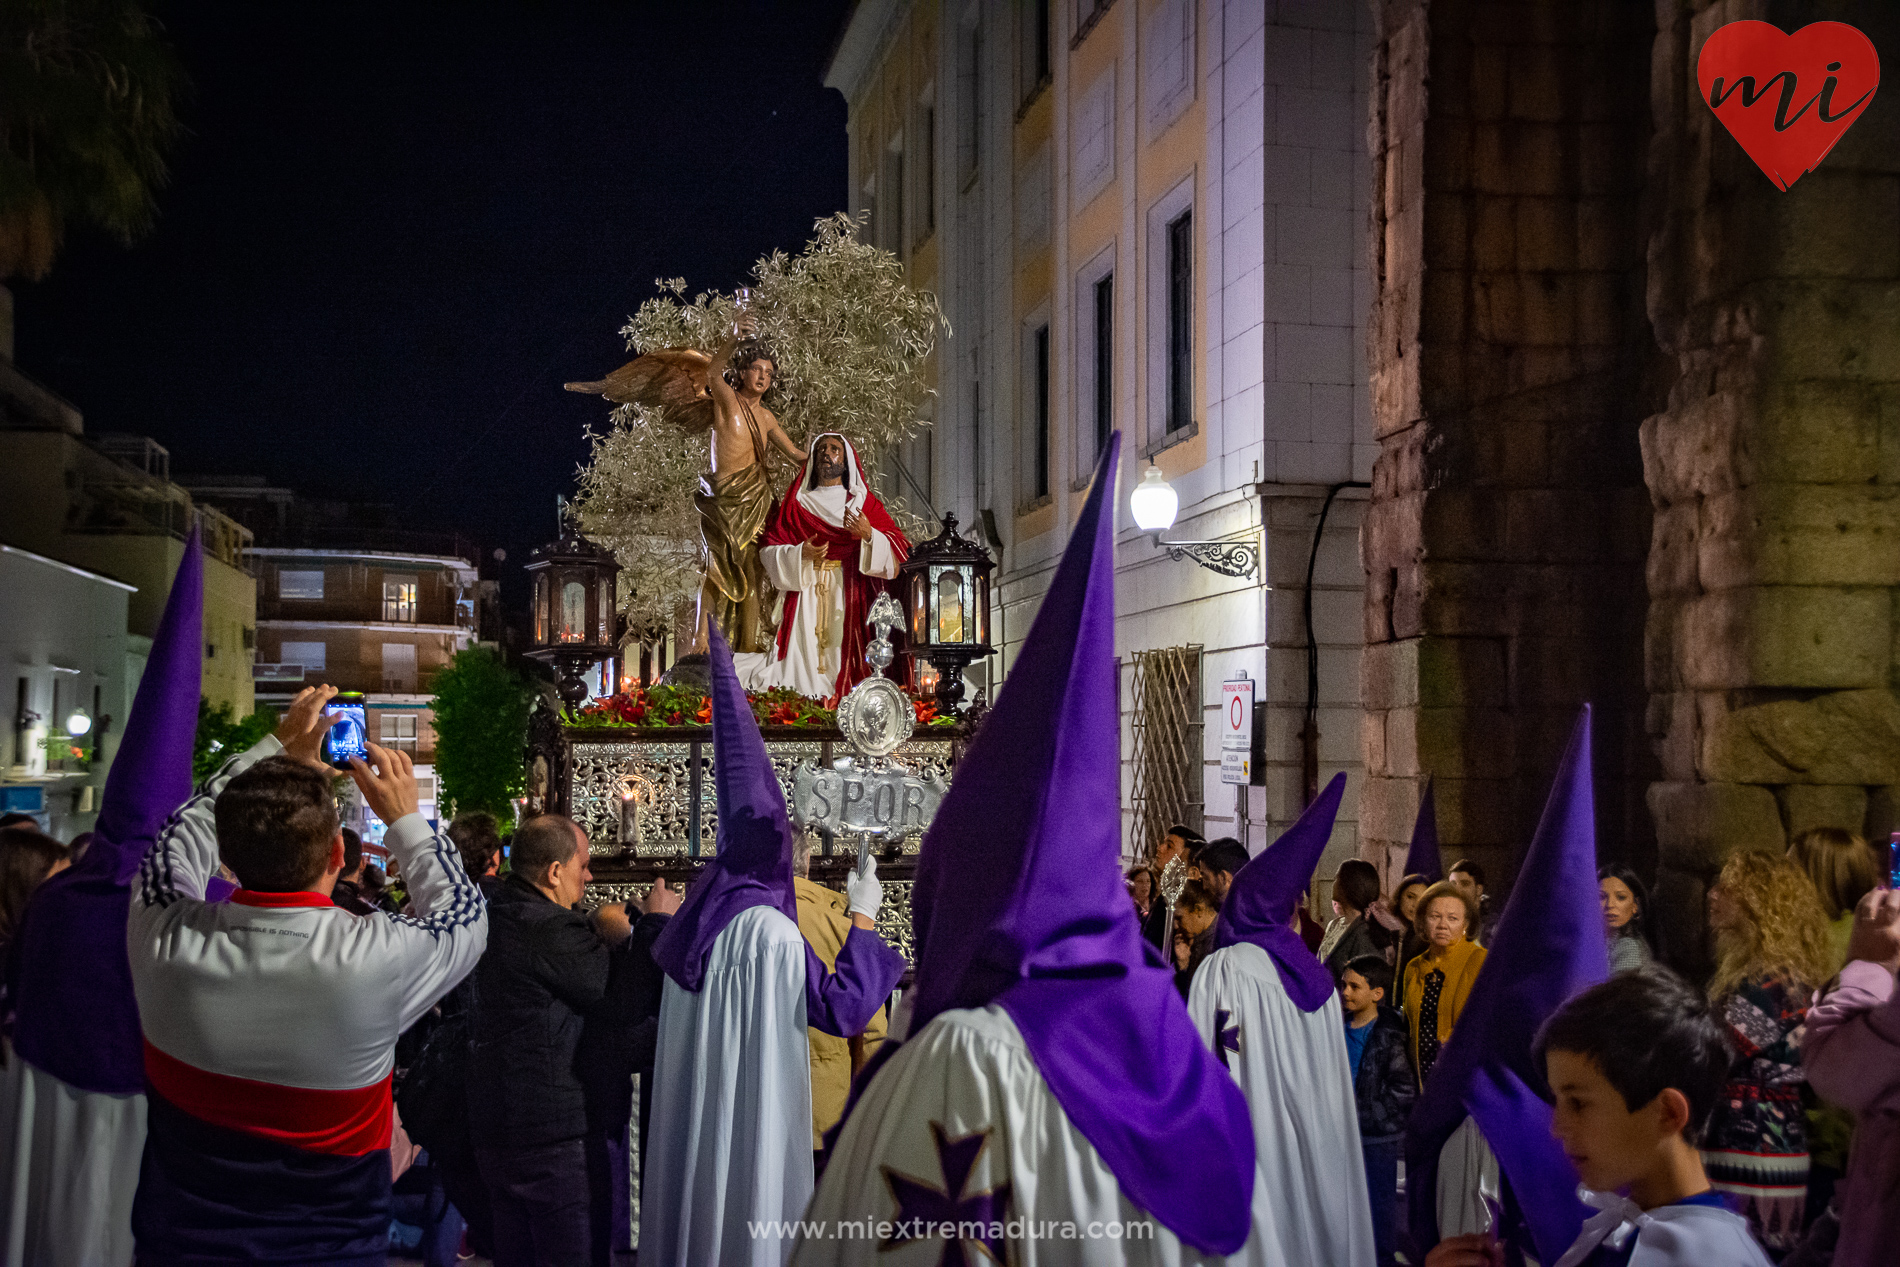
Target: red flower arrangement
[(685, 706)]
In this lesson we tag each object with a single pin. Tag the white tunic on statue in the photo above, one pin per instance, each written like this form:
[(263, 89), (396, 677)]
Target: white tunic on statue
[(1292, 1067), (69, 1164), (804, 668), (730, 1135), (969, 1072)]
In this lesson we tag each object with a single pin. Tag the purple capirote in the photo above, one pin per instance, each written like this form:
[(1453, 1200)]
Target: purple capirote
[(75, 1016), (1019, 902), (1265, 890), (1423, 857), (1547, 947), (753, 867)]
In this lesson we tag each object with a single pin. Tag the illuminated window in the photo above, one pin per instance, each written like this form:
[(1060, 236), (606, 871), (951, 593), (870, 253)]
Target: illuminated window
[(399, 599)]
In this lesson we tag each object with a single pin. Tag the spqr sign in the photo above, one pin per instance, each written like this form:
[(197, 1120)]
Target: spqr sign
[(849, 801)]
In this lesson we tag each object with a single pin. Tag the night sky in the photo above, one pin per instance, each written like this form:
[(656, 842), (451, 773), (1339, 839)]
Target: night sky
[(394, 229)]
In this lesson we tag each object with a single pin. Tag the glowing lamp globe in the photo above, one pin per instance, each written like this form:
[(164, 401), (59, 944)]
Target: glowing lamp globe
[(79, 723), (1153, 502)]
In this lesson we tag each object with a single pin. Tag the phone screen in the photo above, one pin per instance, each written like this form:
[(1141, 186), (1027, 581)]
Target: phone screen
[(349, 735), (1893, 861)]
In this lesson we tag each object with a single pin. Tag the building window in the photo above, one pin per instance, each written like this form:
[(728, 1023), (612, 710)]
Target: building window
[(1168, 734), (399, 667), (399, 599), (927, 177), (300, 585), (1167, 57), (1041, 340), (1035, 48), (399, 732), (1180, 321), (893, 229), (310, 655), (1104, 361), (969, 100)]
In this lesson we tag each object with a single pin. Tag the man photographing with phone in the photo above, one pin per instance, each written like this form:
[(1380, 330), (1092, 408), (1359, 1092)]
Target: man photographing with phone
[(270, 1021)]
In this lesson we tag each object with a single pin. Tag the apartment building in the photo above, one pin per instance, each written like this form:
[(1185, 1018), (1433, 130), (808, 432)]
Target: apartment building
[(1148, 216)]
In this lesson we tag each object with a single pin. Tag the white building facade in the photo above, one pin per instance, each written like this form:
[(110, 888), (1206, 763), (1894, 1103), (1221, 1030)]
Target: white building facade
[(1150, 216)]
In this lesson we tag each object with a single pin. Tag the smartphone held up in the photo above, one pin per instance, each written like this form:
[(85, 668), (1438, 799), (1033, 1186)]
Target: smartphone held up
[(348, 735)]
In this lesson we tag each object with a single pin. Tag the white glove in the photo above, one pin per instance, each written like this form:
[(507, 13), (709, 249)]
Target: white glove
[(865, 892)]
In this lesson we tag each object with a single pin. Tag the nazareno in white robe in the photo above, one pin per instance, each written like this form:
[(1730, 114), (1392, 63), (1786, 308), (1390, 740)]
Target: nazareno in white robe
[(730, 1133), (69, 1164), (969, 1073), (1293, 1069), (788, 570)]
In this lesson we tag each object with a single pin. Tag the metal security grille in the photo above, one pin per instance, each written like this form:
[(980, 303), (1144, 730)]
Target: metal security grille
[(1168, 744)]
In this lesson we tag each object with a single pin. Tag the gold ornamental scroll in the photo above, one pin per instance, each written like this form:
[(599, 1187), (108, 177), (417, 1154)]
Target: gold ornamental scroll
[(732, 513)]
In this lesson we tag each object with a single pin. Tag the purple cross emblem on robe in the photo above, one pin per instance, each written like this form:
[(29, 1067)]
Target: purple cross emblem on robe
[(922, 1209), (1226, 1037)]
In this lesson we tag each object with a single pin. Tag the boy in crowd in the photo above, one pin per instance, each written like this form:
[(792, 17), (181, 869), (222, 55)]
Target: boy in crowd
[(1634, 1066), (1384, 1086)]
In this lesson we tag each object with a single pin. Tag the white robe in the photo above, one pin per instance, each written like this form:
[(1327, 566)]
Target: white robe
[(968, 1072), (788, 570), (1667, 1236), (1292, 1067), (730, 1134), (1467, 1176), (69, 1164)]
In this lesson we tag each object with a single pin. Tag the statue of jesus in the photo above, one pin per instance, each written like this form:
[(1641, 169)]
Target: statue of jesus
[(832, 548), (735, 499)]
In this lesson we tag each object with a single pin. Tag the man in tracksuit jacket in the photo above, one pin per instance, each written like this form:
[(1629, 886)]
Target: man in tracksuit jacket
[(271, 1020)]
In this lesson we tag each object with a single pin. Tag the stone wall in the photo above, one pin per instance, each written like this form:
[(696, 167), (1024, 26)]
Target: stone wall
[(1509, 353), (1774, 467)]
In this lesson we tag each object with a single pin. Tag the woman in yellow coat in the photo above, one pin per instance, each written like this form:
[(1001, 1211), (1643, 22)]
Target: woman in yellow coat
[(1439, 978)]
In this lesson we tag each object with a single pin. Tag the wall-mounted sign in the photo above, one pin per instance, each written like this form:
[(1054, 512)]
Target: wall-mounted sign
[(1236, 730)]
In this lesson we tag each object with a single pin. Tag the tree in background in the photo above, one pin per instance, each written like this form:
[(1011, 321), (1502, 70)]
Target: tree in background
[(87, 96), (222, 734), (852, 338), (481, 728)]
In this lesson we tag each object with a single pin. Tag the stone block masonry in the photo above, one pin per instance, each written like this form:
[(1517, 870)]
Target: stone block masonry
[(1773, 464), (1506, 541)]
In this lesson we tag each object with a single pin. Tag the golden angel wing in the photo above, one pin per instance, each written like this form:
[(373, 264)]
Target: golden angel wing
[(672, 380)]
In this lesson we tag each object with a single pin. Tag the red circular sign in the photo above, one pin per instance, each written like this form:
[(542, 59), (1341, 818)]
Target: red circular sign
[(1233, 715)]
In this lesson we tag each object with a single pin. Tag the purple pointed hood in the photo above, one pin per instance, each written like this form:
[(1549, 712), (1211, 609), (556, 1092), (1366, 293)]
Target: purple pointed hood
[(76, 1018), (753, 866), (1548, 946), (1265, 890), (1424, 858), (1019, 901)]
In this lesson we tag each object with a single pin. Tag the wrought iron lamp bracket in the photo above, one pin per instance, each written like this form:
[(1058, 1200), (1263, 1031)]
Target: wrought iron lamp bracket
[(1229, 558)]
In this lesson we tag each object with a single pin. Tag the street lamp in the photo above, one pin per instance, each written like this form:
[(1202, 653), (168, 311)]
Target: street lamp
[(1154, 503), (945, 585), (575, 622)]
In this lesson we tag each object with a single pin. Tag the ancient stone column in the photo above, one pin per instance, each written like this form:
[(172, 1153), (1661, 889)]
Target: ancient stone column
[(1774, 465), (1505, 541)]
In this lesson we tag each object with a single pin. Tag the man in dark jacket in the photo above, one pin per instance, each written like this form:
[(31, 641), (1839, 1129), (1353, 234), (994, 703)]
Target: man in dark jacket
[(545, 976)]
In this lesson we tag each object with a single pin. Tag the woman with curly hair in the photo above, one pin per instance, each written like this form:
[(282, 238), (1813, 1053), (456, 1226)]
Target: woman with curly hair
[(1772, 953)]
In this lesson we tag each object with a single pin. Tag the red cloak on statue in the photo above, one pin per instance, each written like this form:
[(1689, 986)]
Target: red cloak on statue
[(798, 519)]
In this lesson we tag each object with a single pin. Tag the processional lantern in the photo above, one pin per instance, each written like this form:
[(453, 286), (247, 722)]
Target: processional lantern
[(576, 624), (945, 584)]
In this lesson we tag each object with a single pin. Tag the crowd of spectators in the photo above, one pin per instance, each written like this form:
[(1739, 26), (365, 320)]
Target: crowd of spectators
[(1798, 1136)]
